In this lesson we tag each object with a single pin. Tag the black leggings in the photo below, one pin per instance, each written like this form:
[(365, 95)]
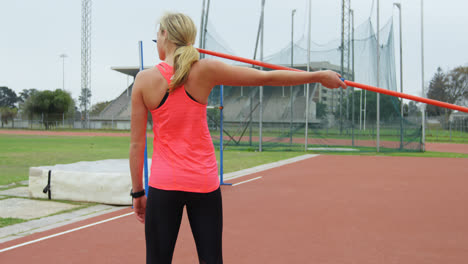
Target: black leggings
[(163, 216)]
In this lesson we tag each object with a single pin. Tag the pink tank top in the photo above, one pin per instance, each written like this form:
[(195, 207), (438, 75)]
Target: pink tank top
[(183, 154)]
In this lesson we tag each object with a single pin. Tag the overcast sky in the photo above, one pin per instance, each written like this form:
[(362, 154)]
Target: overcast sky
[(35, 33)]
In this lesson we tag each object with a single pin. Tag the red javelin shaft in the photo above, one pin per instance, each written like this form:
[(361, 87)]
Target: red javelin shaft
[(349, 83)]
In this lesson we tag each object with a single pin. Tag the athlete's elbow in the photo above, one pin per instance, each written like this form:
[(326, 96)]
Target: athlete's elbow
[(136, 148), (267, 78)]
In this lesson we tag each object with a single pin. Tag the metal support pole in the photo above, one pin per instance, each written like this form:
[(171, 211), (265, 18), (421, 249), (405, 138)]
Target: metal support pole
[(145, 168), (348, 75), (206, 23), (308, 84), (401, 77), (365, 109), (63, 56), (423, 141), (221, 151), (201, 27), (360, 112), (352, 76), (340, 90), (261, 87), (378, 75), (250, 122), (291, 88)]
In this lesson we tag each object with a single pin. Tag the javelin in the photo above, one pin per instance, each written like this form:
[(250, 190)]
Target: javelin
[(349, 83)]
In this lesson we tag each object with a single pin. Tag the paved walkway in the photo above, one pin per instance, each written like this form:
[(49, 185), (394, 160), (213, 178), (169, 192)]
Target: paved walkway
[(40, 215)]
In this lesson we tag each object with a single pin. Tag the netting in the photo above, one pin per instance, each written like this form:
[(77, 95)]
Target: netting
[(337, 119)]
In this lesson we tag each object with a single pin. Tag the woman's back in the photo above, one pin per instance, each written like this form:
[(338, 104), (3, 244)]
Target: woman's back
[(183, 153)]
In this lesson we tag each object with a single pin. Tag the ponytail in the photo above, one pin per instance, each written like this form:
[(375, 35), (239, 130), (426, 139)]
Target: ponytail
[(184, 58), (182, 32)]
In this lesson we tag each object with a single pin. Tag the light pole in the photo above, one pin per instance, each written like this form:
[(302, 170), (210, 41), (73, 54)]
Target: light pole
[(63, 56), (292, 65), (401, 76)]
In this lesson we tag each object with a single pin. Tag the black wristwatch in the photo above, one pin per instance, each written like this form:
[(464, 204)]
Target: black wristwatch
[(137, 194)]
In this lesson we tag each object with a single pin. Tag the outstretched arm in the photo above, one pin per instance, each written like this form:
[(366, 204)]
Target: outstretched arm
[(222, 73)]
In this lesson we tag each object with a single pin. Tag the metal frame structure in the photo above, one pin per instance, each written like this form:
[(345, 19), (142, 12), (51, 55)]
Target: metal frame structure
[(345, 55), (86, 54)]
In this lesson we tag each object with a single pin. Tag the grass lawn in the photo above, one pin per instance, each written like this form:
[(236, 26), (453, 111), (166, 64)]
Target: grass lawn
[(19, 152), (10, 221)]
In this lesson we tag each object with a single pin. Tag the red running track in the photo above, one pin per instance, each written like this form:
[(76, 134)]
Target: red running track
[(327, 209)]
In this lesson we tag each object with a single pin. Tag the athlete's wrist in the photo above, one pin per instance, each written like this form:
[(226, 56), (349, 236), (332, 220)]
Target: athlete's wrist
[(137, 194)]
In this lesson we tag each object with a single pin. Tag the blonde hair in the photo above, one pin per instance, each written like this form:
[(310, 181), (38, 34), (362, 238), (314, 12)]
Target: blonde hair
[(182, 32)]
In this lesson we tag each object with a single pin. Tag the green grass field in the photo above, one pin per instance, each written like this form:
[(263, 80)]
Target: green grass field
[(19, 152), (10, 221)]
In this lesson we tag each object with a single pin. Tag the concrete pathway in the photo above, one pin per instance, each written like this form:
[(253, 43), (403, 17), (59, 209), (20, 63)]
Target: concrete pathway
[(41, 215)]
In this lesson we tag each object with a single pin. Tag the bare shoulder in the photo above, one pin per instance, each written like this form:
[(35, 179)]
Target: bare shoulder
[(152, 74), (207, 65), (148, 78), (207, 71)]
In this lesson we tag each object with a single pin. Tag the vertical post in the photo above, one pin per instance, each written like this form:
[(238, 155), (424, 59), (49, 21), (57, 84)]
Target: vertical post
[(202, 24), (450, 128), (340, 90), (250, 122), (349, 61), (145, 168), (206, 23), (365, 109), (291, 88), (352, 75), (63, 56), (401, 77), (221, 151), (360, 112), (423, 141), (261, 87), (221, 90), (308, 85), (378, 75)]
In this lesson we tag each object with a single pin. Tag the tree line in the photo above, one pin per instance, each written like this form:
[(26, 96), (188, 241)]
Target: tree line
[(450, 87), (47, 106)]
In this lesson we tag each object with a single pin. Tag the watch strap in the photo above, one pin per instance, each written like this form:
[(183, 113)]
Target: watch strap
[(137, 194)]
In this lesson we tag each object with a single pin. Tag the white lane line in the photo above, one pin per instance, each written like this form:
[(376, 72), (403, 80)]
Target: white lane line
[(65, 232), (247, 181), (246, 172)]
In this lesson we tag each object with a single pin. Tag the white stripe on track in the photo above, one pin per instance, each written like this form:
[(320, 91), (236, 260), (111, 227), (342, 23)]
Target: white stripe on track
[(253, 179), (65, 232)]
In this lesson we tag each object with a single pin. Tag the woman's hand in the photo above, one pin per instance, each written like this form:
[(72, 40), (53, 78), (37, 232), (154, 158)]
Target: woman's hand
[(331, 79), (139, 207)]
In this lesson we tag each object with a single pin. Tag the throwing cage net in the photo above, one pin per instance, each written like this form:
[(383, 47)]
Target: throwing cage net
[(338, 119)]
